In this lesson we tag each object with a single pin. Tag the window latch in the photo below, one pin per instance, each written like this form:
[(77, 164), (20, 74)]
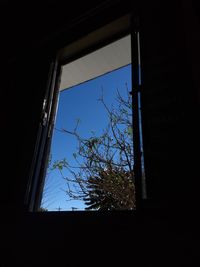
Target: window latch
[(44, 119)]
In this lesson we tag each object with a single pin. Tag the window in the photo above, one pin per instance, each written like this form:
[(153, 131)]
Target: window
[(86, 152)]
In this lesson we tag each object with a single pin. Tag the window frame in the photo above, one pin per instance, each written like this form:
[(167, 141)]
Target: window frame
[(81, 46)]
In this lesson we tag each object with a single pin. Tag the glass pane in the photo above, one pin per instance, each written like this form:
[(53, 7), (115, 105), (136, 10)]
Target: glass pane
[(91, 159)]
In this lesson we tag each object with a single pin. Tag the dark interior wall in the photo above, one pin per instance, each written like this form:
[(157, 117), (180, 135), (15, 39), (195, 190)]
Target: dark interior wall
[(170, 100), (170, 139)]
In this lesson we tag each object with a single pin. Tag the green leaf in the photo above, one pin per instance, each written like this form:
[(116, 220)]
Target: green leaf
[(130, 131)]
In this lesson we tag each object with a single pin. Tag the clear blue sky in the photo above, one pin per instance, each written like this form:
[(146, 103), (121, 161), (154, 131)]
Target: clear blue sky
[(80, 102)]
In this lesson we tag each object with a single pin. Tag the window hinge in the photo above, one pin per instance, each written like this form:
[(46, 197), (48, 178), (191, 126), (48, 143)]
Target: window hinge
[(137, 88)]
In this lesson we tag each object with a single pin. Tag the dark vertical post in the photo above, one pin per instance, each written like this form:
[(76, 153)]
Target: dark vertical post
[(135, 108)]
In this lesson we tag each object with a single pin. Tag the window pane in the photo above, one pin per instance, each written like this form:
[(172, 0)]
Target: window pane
[(91, 159)]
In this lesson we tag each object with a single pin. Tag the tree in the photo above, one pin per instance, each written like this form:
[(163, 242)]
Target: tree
[(41, 209), (111, 190), (102, 175)]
